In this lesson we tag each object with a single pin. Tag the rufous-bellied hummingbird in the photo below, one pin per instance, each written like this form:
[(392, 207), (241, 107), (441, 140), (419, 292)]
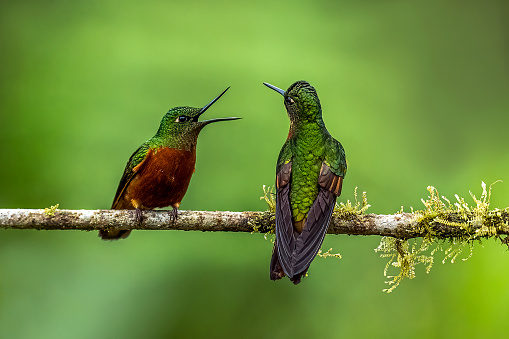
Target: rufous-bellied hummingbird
[(159, 171), (309, 176)]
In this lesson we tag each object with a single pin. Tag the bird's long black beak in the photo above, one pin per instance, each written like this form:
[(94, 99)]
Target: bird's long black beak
[(206, 122), (277, 89), (206, 107)]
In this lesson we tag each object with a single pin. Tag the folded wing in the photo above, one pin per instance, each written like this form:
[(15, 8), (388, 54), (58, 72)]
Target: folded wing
[(295, 252)]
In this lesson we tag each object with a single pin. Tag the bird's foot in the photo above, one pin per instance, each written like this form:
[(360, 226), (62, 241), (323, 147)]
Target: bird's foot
[(138, 215), (174, 214)]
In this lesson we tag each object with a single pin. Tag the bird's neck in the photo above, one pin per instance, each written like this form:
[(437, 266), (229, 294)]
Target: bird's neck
[(182, 142), (306, 128)]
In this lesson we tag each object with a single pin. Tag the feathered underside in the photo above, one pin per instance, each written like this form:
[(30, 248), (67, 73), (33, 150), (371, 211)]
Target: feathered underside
[(152, 178)]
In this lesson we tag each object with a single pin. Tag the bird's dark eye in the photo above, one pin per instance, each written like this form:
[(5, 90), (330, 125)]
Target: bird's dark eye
[(182, 118), (289, 100)]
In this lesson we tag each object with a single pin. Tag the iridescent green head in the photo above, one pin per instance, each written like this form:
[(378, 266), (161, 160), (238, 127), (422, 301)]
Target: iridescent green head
[(301, 101), (180, 126)]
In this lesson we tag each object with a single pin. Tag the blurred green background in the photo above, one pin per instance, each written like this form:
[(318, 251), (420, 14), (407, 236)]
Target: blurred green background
[(417, 92)]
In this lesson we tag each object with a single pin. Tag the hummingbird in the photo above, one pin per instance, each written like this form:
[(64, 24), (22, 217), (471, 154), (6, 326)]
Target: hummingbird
[(309, 177), (159, 171)]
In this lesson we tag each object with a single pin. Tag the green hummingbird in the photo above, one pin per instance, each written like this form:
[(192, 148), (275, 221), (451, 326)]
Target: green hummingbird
[(159, 171), (309, 176)]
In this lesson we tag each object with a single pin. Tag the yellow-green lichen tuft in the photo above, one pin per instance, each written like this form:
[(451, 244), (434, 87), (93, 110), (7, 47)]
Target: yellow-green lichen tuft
[(269, 197), (349, 208), (469, 224), (328, 254), (50, 212), (266, 223), (405, 256)]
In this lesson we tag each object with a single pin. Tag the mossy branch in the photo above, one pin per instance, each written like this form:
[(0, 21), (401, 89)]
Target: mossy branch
[(441, 226), (400, 225), (440, 220)]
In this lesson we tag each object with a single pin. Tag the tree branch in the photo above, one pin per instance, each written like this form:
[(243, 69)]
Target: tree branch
[(401, 225)]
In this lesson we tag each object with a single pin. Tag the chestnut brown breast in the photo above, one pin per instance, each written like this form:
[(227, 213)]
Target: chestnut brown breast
[(161, 180)]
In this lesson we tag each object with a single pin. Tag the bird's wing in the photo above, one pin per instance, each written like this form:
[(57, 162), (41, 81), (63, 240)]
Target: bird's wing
[(310, 240), (330, 182), (134, 164), (285, 239), (285, 155), (297, 251), (335, 158)]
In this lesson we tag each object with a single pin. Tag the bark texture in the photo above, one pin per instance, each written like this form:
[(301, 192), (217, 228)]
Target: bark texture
[(402, 225)]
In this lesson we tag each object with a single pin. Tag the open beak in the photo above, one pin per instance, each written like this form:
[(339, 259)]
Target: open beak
[(206, 107), (277, 89), (219, 119)]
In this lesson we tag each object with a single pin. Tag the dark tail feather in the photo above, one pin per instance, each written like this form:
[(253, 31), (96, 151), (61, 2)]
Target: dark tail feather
[(120, 234), (113, 234), (297, 278), (276, 271)]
